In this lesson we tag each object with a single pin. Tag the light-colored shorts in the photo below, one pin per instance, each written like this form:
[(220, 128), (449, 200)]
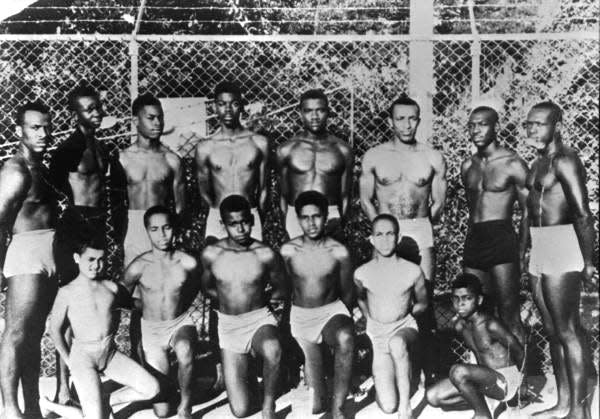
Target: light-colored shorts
[(381, 333), (236, 331), (513, 378), (215, 227), (554, 250), (419, 229), (158, 335), (292, 226), (308, 323), (30, 252), (136, 240), (92, 354)]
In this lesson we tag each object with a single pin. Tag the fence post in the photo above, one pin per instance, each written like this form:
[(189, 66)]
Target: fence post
[(352, 98), (421, 82), (475, 69), (133, 86)]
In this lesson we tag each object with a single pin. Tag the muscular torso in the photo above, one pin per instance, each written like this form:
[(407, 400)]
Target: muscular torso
[(87, 181), (149, 176), (314, 271), (92, 309), (488, 351), (234, 168), (314, 165), (403, 181), (490, 188), (547, 202), (240, 277), (164, 285)]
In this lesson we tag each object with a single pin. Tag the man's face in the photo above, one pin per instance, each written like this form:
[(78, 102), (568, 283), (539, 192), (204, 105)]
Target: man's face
[(482, 129), (228, 107), (160, 231), (35, 131), (89, 111), (91, 262), (150, 122), (405, 120), (540, 128), (384, 238), (465, 302), (314, 113), (312, 221), (238, 225)]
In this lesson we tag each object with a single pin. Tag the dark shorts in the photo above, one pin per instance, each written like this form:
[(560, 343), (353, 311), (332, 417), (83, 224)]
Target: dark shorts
[(490, 243)]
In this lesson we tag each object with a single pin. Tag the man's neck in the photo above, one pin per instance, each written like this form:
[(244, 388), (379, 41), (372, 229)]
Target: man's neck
[(315, 136), (88, 132), (232, 244), (474, 318), (385, 260), (163, 254), (410, 145), (147, 143), (487, 152), (30, 157), (230, 131), (553, 147), (316, 242)]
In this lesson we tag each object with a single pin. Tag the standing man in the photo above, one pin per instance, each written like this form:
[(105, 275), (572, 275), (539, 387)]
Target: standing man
[(561, 257), (321, 279), (154, 173), (494, 178), (28, 210), (168, 282), (232, 161), (316, 160), (237, 271), (407, 179)]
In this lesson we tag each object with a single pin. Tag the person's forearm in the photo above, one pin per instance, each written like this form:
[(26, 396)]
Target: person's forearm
[(364, 307), (368, 208), (584, 228), (419, 308), (436, 211), (523, 236)]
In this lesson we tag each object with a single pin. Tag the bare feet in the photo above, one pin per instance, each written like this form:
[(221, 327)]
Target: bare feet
[(184, 414), (553, 412), (405, 414), (268, 412)]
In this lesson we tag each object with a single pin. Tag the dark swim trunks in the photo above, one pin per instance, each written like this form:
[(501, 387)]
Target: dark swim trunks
[(490, 243)]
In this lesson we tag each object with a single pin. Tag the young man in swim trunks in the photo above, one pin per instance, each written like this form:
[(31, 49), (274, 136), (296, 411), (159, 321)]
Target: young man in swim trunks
[(386, 287), (499, 354), (237, 272), (494, 178), (168, 281), (320, 273), (28, 210), (561, 257), (89, 305), (315, 159)]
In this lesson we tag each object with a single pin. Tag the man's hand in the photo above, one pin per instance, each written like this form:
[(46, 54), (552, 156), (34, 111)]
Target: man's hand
[(589, 270)]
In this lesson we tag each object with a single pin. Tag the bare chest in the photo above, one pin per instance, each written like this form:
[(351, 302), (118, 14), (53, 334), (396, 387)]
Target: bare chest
[(313, 264), (235, 156), (238, 268), (482, 177), (321, 158), (96, 302), (542, 176), (147, 167), (91, 163), (163, 278), (397, 167)]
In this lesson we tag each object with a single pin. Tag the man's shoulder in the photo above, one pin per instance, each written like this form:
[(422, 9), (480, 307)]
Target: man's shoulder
[(15, 169), (262, 250), (110, 286), (410, 267), (187, 261), (364, 270), (567, 156), (291, 247), (337, 248), (211, 251)]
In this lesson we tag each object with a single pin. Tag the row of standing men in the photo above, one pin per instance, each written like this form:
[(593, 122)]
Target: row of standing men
[(401, 177)]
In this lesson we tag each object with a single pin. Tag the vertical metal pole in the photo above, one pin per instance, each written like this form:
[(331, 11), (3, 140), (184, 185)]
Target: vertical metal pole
[(134, 83), (475, 69), (352, 97)]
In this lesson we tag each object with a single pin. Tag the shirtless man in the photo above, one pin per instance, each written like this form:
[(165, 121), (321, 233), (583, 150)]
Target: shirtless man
[(408, 180), (237, 271), (320, 271), (561, 257), (154, 173), (387, 286), (168, 283), (316, 160), (494, 178), (497, 374), (89, 304), (28, 210), (232, 161)]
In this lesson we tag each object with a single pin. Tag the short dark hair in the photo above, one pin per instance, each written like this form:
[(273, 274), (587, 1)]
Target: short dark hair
[(387, 217), (468, 281), (89, 240), (234, 203), (313, 94), (405, 100), (37, 106), (228, 87), (489, 109), (147, 99), (556, 113), (157, 209), (82, 90), (315, 198)]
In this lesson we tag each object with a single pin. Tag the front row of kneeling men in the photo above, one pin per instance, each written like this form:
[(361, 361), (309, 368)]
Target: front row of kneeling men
[(242, 276)]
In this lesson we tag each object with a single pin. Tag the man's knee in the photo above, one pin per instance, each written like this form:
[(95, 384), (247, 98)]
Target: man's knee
[(459, 373), (271, 349), (184, 351), (432, 396), (399, 347), (387, 406), (345, 339), (13, 337), (151, 389), (240, 409), (566, 332)]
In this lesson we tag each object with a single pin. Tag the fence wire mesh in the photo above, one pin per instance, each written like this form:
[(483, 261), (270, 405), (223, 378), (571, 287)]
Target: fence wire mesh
[(362, 77)]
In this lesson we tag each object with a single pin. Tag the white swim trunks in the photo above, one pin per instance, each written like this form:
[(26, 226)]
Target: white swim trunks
[(215, 228), (513, 378), (419, 229), (236, 331), (30, 252), (159, 334), (292, 226), (554, 250), (308, 323), (381, 333), (136, 240)]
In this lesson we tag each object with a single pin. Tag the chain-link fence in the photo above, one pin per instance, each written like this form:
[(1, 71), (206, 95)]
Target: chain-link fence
[(362, 76)]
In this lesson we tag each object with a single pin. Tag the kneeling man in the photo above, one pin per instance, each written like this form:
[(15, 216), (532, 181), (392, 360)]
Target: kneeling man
[(168, 282), (386, 286), (321, 275), (237, 272)]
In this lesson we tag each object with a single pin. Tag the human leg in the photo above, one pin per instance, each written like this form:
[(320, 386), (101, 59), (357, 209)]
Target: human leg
[(157, 359), (62, 410), (338, 333), (475, 382), (384, 379), (400, 346), (266, 343), (444, 394), (314, 374), (235, 373), (138, 383), (184, 344), (63, 394), (506, 285), (87, 383)]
